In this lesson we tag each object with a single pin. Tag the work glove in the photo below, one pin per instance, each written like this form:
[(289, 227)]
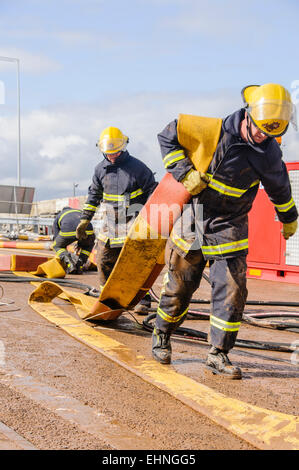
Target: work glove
[(77, 248), (79, 267), (195, 181), (68, 262), (289, 230), (81, 229)]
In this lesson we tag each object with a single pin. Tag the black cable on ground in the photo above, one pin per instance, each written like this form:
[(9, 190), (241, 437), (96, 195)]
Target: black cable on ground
[(185, 332), (189, 333), (277, 325), (273, 303), (92, 291), (193, 313), (250, 318)]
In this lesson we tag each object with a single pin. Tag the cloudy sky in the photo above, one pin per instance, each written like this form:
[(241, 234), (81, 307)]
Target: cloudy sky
[(135, 64)]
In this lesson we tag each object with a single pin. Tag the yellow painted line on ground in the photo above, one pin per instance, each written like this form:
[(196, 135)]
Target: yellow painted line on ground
[(264, 429)]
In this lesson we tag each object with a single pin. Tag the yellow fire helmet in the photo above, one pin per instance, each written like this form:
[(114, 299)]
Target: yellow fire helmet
[(270, 108), (112, 140)]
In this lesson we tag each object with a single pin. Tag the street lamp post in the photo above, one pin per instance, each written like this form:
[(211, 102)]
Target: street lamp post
[(17, 61), (75, 185)]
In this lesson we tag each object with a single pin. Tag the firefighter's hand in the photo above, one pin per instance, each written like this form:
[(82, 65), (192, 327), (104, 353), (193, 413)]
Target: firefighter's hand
[(81, 229), (77, 248), (195, 181), (289, 230)]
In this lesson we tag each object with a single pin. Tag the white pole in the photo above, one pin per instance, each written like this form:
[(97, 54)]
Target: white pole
[(19, 122), (17, 61)]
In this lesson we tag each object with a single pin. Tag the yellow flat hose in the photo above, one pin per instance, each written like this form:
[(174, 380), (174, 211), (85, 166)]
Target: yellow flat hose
[(141, 259), (50, 269), (47, 291), (199, 137)]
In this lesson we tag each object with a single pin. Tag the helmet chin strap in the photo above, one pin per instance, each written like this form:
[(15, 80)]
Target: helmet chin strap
[(106, 157), (257, 147), (251, 141), (249, 135)]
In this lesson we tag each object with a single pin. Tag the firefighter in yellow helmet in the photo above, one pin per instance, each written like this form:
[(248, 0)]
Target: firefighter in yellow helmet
[(112, 142), (244, 153), (121, 185), (269, 108)]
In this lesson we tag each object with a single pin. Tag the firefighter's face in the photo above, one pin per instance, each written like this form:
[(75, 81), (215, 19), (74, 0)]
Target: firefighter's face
[(257, 134), (253, 133), (112, 157)]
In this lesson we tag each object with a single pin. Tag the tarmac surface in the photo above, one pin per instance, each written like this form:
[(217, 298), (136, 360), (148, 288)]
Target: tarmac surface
[(56, 393)]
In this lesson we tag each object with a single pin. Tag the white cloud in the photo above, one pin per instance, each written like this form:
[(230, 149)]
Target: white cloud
[(195, 16), (290, 145), (65, 38), (29, 62), (2, 92), (74, 37), (83, 38), (229, 20), (58, 144)]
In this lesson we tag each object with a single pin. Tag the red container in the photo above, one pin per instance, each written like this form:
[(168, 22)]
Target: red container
[(270, 256)]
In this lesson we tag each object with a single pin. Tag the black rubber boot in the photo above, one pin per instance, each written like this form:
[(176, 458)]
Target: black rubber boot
[(68, 262), (161, 348), (80, 264), (141, 309), (144, 305), (218, 363)]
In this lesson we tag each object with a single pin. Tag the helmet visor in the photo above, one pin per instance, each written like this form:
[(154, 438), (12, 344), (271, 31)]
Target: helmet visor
[(271, 110), (112, 145)]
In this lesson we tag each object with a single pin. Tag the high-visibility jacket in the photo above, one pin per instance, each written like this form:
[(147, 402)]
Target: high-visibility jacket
[(64, 231), (216, 221), (122, 189)]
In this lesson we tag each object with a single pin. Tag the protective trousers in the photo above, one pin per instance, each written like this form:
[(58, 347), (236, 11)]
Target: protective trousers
[(229, 293), (106, 259)]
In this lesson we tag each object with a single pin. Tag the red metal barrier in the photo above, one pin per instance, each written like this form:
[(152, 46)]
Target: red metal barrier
[(270, 256)]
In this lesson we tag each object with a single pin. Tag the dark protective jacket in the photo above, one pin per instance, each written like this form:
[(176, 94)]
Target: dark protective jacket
[(64, 231), (219, 215), (122, 189)]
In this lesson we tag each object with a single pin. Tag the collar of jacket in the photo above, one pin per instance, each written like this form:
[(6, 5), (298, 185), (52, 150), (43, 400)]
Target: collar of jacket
[(124, 156), (232, 123)]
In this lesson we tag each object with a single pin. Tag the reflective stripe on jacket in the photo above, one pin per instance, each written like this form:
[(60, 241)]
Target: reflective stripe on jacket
[(64, 231), (124, 187), (236, 170), (66, 222)]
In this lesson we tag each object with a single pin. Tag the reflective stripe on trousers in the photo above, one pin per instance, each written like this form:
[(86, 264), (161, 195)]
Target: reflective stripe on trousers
[(229, 293), (180, 282), (85, 245)]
